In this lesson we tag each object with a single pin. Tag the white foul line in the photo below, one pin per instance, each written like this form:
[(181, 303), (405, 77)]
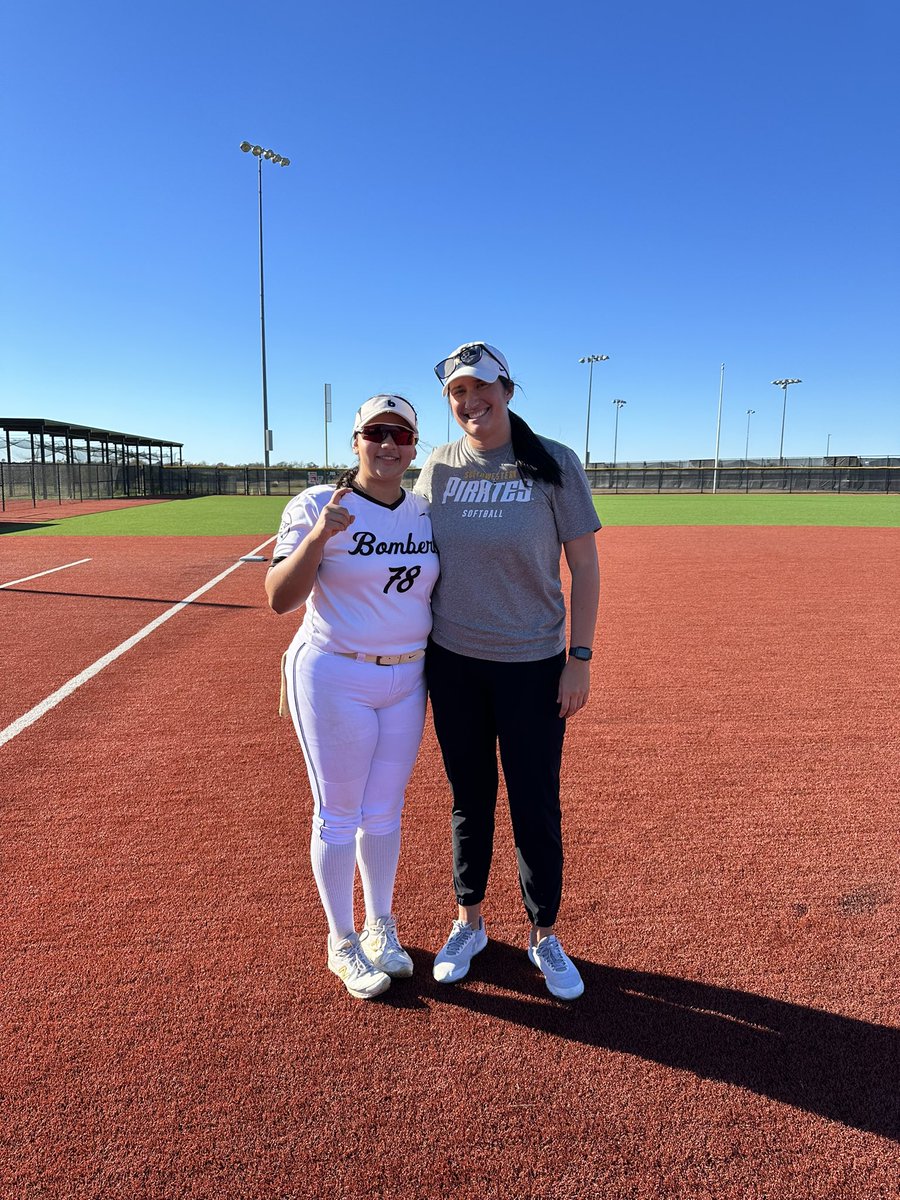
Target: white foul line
[(64, 567), (39, 710)]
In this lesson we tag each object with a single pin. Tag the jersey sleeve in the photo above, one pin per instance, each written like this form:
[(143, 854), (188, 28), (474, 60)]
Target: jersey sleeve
[(298, 518), (419, 504)]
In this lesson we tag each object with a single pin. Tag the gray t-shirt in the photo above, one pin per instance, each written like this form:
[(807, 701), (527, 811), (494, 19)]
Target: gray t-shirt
[(499, 538)]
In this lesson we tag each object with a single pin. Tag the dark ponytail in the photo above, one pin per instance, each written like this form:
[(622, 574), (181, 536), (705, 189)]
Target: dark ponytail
[(348, 478), (533, 459)]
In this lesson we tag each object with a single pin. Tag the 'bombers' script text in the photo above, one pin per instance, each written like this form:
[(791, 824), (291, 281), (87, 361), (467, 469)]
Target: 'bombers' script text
[(366, 544)]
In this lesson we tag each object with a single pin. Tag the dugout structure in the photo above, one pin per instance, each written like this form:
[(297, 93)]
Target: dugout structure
[(59, 460)]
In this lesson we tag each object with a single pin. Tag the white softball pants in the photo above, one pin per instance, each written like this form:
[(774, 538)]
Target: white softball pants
[(359, 727)]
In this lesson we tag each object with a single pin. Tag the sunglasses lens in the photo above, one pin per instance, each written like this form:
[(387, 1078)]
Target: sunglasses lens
[(380, 433), (467, 357)]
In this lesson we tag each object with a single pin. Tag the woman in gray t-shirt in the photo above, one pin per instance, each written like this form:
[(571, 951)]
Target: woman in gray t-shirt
[(505, 503)]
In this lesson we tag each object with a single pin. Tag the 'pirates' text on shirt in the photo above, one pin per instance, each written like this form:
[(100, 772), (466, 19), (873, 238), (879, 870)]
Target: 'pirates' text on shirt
[(485, 491)]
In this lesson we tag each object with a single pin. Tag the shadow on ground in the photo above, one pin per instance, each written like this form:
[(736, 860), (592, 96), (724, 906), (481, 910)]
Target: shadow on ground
[(836, 1067), (19, 526), (30, 591)]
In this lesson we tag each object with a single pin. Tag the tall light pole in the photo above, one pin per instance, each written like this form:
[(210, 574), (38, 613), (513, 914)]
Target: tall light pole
[(784, 384), (750, 412), (590, 359), (618, 404), (718, 425), (260, 153)]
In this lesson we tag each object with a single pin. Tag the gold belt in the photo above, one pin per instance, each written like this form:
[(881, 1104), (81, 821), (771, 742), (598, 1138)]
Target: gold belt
[(384, 660)]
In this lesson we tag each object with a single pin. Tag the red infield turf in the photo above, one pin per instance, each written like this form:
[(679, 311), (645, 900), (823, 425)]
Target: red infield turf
[(731, 801), (25, 512)]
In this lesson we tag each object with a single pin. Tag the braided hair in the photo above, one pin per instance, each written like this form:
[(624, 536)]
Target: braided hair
[(348, 477)]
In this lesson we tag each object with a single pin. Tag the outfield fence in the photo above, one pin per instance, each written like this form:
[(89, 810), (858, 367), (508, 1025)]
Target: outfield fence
[(31, 483), (652, 477)]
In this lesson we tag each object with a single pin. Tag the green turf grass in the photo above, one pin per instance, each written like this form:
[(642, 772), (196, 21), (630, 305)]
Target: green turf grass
[(205, 516), (778, 509), (209, 516)]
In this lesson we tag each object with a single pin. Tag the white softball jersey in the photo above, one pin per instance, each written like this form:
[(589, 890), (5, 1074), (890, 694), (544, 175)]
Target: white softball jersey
[(372, 593)]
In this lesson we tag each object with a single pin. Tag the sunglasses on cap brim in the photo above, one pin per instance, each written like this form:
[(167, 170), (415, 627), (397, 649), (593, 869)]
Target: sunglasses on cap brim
[(380, 433), (467, 357)]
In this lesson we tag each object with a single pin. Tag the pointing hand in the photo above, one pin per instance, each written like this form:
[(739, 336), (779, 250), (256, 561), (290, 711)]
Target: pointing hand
[(334, 518)]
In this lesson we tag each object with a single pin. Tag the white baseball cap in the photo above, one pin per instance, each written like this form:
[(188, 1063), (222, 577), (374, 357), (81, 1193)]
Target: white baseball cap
[(478, 360), (377, 406)]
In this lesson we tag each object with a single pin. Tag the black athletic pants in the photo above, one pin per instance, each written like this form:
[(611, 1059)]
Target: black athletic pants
[(477, 704)]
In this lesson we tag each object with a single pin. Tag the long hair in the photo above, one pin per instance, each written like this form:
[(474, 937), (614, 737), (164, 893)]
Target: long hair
[(533, 459)]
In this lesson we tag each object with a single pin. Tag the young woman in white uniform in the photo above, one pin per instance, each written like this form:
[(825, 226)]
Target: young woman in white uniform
[(361, 558)]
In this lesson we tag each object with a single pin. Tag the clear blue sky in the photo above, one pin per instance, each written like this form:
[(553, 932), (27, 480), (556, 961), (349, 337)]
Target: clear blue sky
[(675, 186)]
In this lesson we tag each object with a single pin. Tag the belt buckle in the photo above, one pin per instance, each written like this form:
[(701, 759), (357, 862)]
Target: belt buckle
[(387, 660)]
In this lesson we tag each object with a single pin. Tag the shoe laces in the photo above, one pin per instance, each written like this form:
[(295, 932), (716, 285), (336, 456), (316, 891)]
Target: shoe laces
[(551, 952), (384, 933), (353, 955), (459, 937)]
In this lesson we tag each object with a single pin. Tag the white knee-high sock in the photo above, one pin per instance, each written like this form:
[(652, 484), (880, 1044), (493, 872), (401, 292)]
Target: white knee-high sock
[(377, 855), (334, 866)]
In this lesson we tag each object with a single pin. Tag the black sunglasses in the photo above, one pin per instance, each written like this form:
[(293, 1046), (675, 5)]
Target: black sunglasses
[(467, 357), (380, 433)]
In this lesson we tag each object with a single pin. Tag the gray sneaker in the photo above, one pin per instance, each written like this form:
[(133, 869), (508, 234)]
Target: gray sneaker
[(454, 958), (350, 964), (382, 948), (560, 973)]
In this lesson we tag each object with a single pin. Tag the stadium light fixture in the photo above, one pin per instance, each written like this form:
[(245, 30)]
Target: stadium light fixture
[(259, 153), (619, 404), (784, 384), (590, 359)]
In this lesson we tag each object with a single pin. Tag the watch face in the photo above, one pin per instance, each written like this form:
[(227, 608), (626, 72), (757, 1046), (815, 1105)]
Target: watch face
[(580, 652)]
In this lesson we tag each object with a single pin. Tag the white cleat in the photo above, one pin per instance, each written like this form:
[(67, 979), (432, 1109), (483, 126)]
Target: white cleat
[(382, 948), (361, 979)]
